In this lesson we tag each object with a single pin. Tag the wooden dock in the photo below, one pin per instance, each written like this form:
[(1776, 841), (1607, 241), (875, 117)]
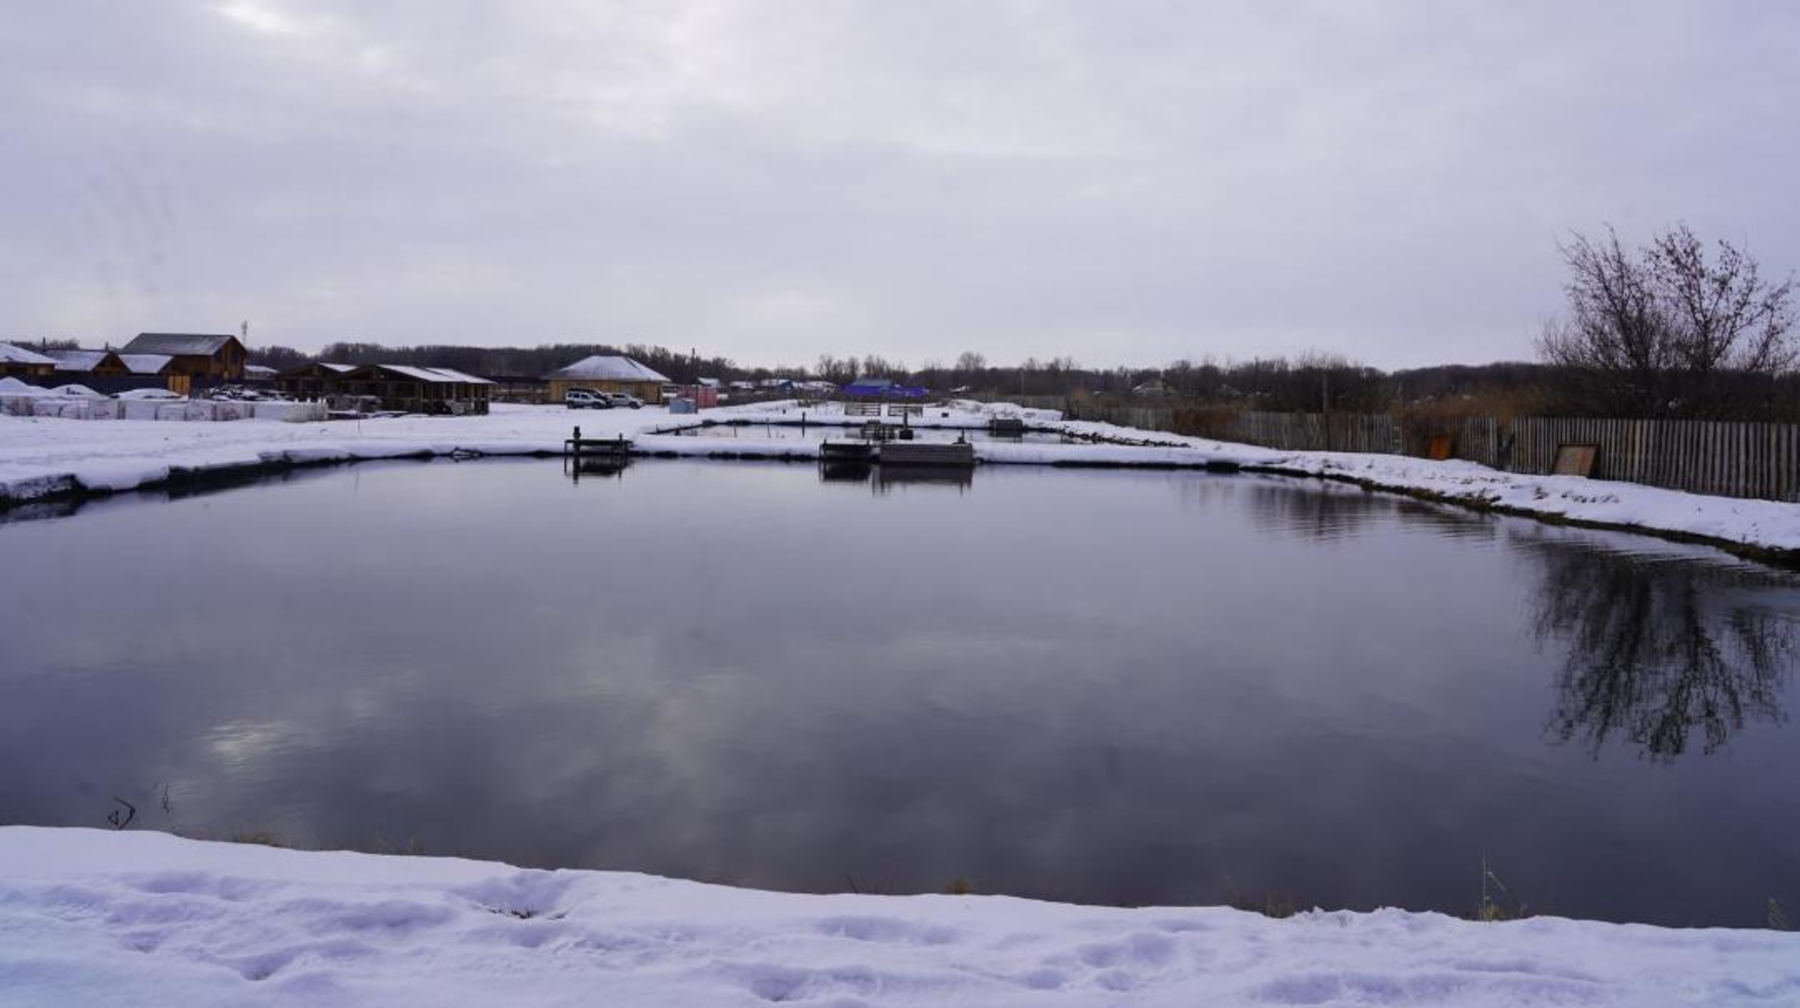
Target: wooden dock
[(925, 453), (578, 447), (846, 451)]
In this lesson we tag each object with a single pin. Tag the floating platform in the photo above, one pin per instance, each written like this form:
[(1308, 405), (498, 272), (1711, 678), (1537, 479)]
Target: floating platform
[(847, 451), (923, 453), (1007, 427)]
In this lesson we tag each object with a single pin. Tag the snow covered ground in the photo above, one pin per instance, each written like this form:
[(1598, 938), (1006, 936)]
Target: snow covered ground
[(40, 456), (90, 917)]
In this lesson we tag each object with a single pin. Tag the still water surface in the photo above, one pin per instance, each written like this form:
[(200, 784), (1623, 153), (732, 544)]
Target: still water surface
[(1099, 686)]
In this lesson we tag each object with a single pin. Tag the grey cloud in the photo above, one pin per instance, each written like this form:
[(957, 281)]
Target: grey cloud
[(1120, 183)]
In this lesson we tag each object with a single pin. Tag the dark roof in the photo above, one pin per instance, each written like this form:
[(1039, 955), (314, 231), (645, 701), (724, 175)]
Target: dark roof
[(177, 344)]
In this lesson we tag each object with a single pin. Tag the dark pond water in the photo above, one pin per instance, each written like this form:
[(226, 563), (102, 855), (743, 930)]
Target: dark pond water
[(1099, 686), (820, 432)]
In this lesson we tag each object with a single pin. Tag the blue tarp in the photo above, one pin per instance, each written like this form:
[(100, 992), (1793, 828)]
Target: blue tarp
[(887, 391)]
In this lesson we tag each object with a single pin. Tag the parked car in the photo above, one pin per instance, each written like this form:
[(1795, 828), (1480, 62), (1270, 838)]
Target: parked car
[(158, 394), (626, 400), (581, 398)]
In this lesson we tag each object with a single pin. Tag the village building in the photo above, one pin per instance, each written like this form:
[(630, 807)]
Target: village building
[(213, 357), (18, 362), (416, 389), (313, 381), (607, 374), (97, 363)]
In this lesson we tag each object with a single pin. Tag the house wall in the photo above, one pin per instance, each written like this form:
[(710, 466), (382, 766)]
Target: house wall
[(650, 392)]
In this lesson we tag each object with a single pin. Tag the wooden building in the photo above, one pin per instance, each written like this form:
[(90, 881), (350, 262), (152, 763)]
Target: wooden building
[(607, 374), (160, 366), (18, 362), (72, 364), (215, 357), (313, 381), (404, 387)]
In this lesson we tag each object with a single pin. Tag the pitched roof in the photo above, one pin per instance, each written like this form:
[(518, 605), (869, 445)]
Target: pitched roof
[(78, 360), (431, 375), (19, 355), (146, 363), (177, 344), (604, 368)]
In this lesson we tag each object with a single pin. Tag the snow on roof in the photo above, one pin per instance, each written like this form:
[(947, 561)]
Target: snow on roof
[(78, 360), (177, 344), (436, 376), (609, 369), (259, 370), (19, 355), (460, 376), (340, 368), (146, 363)]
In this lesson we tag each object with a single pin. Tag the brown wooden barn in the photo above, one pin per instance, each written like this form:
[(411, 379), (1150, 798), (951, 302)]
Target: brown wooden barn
[(220, 358)]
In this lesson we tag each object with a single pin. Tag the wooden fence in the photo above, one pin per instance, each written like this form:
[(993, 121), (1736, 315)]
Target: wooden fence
[(1758, 460)]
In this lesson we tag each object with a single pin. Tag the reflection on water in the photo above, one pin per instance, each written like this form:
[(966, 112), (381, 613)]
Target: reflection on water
[(1102, 686), (608, 466), (1658, 651)]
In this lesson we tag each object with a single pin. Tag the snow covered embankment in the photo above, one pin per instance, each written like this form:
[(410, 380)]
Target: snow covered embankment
[(45, 456), (90, 917), (1769, 527)]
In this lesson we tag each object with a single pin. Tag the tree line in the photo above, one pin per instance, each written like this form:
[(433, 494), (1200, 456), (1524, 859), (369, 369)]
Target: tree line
[(1670, 330)]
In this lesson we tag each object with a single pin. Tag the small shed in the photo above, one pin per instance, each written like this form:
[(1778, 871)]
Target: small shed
[(19, 362), (607, 374)]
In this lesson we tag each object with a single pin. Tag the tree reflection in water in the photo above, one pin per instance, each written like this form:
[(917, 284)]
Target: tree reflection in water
[(1659, 648)]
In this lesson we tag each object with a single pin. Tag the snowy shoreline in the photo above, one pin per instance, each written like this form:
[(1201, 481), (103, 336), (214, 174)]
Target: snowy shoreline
[(100, 917), (48, 458)]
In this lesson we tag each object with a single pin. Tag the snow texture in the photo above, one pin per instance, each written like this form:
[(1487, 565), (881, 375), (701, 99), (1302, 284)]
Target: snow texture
[(47, 454), (91, 917)]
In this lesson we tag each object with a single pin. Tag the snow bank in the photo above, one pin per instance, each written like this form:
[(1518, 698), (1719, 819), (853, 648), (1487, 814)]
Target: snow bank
[(89, 917), (1767, 525)]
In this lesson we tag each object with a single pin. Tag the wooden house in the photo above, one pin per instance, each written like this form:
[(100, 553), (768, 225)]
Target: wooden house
[(71, 365), (607, 374), (18, 362), (219, 358)]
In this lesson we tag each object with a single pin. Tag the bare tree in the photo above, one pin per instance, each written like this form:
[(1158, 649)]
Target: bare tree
[(1665, 332)]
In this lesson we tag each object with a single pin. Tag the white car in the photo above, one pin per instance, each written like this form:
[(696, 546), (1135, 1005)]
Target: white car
[(625, 400), (159, 394), (580, 398)]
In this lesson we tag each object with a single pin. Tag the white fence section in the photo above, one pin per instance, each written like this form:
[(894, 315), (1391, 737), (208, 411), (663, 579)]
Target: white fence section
[(82, 408)]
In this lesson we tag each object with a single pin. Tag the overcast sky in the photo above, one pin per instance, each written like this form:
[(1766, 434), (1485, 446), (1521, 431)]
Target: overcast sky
[(1116, 182)]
